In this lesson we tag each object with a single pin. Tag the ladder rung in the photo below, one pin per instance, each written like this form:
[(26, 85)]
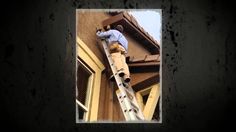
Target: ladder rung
[(134, 105), (129, 95), (134, 110), (138, 117)]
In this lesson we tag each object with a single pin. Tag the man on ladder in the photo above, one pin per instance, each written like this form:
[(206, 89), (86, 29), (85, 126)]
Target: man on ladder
[(118, 47), (115, 48)]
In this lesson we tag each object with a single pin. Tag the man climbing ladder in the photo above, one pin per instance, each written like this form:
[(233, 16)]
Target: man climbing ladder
[(118, 46), (116, 58)]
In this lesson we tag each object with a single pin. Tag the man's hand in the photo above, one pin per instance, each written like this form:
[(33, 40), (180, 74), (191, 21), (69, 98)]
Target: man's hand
[(98, 29)]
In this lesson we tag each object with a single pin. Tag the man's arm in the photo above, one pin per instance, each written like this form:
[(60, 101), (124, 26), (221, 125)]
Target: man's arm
[(103, 34)]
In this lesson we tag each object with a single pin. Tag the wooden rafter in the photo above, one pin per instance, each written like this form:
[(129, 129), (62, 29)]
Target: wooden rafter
[(151, 102), (150, 81)]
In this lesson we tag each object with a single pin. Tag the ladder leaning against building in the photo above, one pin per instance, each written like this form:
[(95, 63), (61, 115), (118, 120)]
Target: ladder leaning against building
[(125, 93)]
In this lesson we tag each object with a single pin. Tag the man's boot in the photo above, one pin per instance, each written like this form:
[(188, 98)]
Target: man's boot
[(121, 72), (126, 78)]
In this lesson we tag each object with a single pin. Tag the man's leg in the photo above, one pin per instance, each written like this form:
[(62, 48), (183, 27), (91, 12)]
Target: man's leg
[(126, 68), (116, 57)]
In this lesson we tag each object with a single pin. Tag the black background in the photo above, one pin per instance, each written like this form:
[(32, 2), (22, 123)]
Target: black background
[(37, 76)]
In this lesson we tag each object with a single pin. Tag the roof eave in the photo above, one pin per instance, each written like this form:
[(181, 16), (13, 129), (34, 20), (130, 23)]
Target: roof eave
[(134, 30)]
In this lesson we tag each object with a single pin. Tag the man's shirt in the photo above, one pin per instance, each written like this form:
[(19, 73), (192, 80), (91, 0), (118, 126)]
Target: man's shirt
[(114, 35)]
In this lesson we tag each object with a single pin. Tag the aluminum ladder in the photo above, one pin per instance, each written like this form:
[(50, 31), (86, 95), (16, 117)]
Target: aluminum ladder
[(125, 93)]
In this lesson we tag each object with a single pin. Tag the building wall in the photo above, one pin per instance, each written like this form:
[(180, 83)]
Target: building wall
[(135, 48), (86, 30)]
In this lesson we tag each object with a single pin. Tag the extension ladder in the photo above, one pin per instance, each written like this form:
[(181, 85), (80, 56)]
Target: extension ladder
[(125, 93)]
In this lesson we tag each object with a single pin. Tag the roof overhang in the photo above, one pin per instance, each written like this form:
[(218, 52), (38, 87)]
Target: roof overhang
[(135, 30)]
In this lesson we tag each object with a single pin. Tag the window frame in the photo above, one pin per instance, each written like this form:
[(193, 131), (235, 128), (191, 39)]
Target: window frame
[(87, 104), (90, 61)]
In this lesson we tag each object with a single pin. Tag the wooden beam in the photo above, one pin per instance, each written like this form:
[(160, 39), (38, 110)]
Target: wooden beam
[(152, 102), (142, 67), (139, 99), (144, 58), (137, 59), (148, 82), (142, 64), (152, 58), (145, 91), (112, 19)]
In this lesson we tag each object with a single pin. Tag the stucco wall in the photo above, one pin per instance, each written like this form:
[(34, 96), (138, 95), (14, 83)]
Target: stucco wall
[(86, 30), (135, 48)]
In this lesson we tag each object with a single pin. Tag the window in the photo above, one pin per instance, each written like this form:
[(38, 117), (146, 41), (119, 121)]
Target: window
[(89, 70), (84, 86)]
